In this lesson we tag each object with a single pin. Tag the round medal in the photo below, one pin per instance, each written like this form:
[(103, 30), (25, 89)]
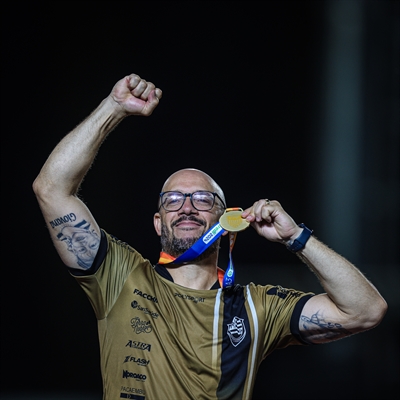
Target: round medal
[(231, 220)]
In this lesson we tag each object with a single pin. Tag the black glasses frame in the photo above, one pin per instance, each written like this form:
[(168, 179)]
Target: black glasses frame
[(191, 199)]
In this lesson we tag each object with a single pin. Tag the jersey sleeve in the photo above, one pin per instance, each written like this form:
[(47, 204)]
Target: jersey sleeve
[(278, 311), (103, 283)]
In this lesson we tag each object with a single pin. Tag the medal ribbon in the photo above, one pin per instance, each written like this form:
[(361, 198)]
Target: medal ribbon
[(229, 277), (201, 245)]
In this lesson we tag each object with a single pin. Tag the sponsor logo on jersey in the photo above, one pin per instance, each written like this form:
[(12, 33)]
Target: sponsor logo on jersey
[(136, 305), (282, 292), (139, 361), (139, 377), (132, 390), (138, 345), (145, 295), (236, 331), (131, 396), (195, 299), (140, 326)]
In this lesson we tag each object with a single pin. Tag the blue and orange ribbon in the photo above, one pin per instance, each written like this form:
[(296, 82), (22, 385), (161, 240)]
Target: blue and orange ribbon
[(225, 278)]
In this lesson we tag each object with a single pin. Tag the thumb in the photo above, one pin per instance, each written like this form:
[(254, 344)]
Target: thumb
[(158, 93), (152, 102)]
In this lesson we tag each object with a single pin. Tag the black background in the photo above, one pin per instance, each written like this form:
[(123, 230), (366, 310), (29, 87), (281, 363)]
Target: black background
[(242, 88)]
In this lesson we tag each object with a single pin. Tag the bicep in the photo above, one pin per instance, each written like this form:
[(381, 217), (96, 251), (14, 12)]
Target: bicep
[(321, 321), (73, 230)]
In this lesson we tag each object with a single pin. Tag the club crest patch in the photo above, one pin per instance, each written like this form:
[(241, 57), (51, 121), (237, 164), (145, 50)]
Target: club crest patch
[(236, 331)]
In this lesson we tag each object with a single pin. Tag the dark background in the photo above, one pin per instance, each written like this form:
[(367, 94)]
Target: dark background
[(290, 100)]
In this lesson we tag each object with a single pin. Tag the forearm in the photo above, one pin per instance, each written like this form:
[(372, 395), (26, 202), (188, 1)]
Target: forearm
[(68, 163), (346, 286), (351, 303)]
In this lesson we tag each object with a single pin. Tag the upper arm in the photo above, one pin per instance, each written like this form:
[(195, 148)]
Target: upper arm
[(321, 321), (73, 230)]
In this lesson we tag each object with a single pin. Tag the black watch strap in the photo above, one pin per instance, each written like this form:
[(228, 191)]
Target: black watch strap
[(301, 240)]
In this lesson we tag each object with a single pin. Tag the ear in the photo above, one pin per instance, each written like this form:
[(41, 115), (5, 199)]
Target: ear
[(157, 223)]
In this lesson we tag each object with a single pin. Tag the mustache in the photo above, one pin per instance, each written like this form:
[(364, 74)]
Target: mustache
[(188, 218)]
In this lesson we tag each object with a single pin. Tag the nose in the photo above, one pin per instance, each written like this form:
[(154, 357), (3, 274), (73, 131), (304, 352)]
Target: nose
[(187, 207)]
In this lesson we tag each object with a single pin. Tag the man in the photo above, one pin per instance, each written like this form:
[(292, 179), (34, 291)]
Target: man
[(182, 329)]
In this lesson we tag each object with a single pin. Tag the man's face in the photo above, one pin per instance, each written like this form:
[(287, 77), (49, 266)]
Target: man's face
[(179, 230)]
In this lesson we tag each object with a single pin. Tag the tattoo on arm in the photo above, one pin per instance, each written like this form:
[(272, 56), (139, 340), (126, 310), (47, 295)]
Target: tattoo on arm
[(317, 326), (71, 217), (82, 241)]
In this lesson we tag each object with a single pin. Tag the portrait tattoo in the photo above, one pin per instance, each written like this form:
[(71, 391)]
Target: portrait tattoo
[(317, 326), (81, 241)]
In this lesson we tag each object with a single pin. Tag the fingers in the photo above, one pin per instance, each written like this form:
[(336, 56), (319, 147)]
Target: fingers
[(140, 88), (260, 211), (132, 81), (136, 95)]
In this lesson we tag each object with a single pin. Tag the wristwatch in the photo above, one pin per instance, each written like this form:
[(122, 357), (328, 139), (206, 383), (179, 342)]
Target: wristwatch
[(301, 240)]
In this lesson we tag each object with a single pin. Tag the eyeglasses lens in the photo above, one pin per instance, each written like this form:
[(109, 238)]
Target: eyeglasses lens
[(202, 201)]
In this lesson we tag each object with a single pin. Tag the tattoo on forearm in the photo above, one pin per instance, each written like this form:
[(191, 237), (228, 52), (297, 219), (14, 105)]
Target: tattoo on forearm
[(317, 326), (81, 241), (71, 217)]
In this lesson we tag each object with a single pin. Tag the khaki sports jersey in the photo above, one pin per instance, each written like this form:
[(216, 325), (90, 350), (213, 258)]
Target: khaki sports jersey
[(162, 341)]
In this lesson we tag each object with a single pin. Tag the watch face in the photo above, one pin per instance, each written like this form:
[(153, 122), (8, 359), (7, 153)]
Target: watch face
[(301, 240)]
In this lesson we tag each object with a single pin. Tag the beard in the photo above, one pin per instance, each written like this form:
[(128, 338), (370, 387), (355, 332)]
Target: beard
[(174, 246)]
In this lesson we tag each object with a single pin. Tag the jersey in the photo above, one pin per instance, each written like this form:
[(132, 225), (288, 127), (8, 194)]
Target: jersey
[(159, 340)]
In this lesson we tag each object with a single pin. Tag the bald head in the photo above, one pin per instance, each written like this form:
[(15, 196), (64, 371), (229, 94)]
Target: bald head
[(189, 180)]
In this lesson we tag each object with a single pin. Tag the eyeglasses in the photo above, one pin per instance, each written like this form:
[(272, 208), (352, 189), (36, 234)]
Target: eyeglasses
[(201, 200)]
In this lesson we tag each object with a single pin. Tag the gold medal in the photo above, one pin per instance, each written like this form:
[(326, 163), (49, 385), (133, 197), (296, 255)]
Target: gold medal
[(231, 220)]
